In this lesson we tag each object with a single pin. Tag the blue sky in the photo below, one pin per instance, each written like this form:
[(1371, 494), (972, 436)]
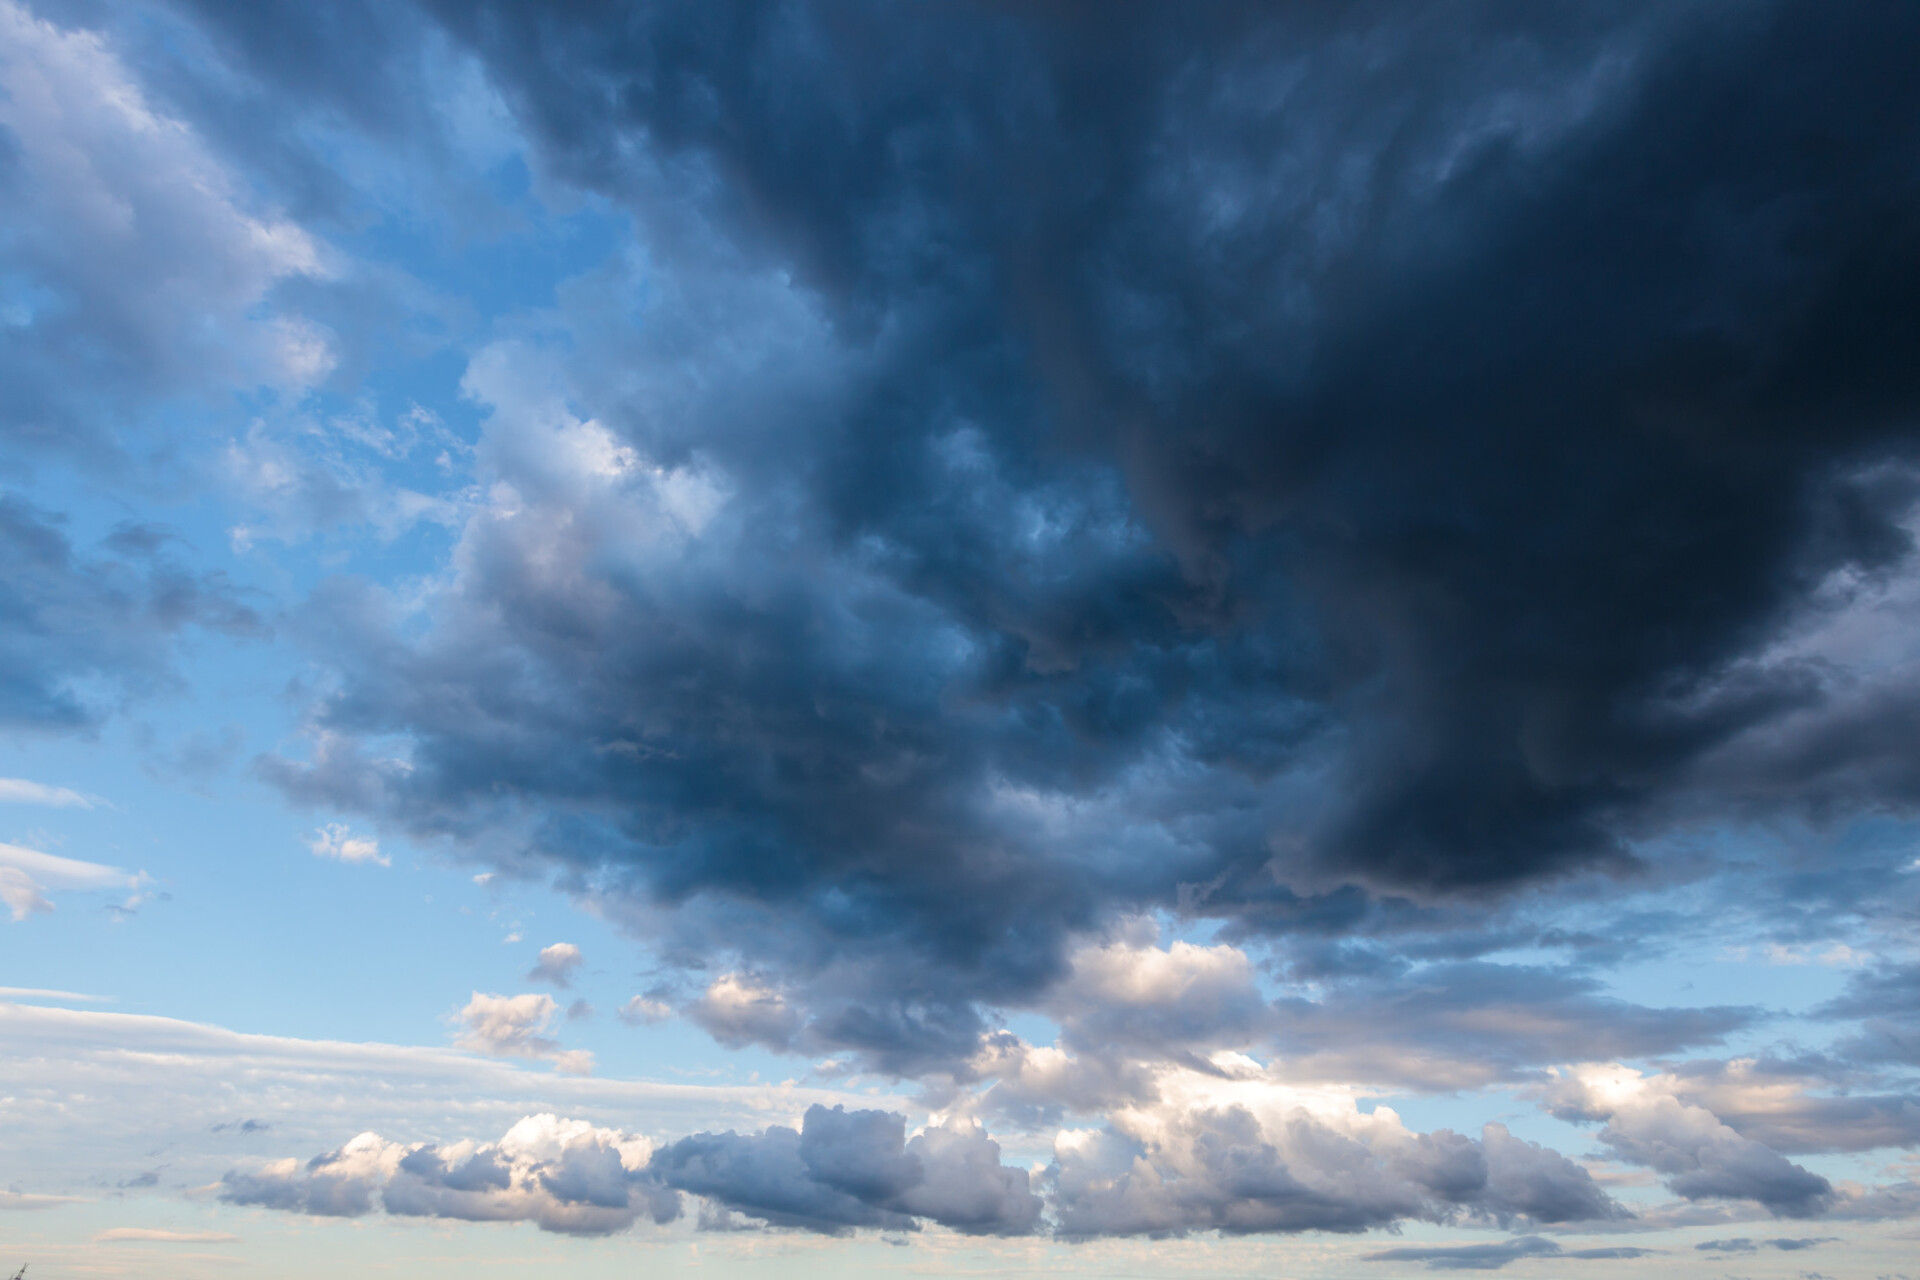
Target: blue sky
[(827, 639)]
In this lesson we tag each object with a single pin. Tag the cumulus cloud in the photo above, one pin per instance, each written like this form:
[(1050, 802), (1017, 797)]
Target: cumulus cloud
[(1255, 1154), (337, 842), (737, 1010), (840, 1170), (844, 1169), (1701, 1157), (563, 1175), (557, 964), (1134, 995), (511, 1027)]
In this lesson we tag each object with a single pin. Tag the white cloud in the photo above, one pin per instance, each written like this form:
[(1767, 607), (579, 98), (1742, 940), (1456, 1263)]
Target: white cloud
[(737, 1010), (641, 1011), (158, 1235), (27, 875), (21, 791), (557, 964), (511, 1027), (81, 1100), (564, 1175), (335, 841)]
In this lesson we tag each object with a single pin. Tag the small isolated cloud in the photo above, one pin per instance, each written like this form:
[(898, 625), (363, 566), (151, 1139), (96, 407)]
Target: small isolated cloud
[(156, 1235), (1492, 1257), (22, 1201), (27, 875), (335, 841), (511, 1027), (642, 1011), (20, 791), (49, 993), (241, 1126), (1741, 1244), (557, 964)]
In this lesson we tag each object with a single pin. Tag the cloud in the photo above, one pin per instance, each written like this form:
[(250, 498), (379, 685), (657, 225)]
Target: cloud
[(881, 585), (737, 1011), (1252, 1152), (157, 1235), (136, 265), (1452, 1025), (1492, 1257), (644, 1011), (335, 841), (1701, 1157), (857, 1169), (1741, 1244), (21, 791), (27, 876), (557, 964), (565, 1176), (44, 993), (106, 1112), (1018, 487), (94, 629), (510, 1027)]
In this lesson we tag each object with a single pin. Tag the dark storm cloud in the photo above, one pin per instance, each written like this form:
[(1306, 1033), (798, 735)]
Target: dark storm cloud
[(1254, 461), (81, 631)]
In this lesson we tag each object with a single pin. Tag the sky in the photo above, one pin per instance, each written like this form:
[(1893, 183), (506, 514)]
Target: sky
[(824, 638)]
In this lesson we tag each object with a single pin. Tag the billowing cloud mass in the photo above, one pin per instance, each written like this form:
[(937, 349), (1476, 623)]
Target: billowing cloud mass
[(563, 1175), (1182, 585), (1047, 482)]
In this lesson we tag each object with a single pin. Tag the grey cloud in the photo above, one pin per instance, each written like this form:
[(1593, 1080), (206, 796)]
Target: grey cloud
[(1467, 1024), (564, 1176), (1280, 470), (1701, 1157), (87, 631), (1742, 1244), (1492, 1257), (843, 1170), (1222, 1169), (1803, 1107), (557, 964)]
